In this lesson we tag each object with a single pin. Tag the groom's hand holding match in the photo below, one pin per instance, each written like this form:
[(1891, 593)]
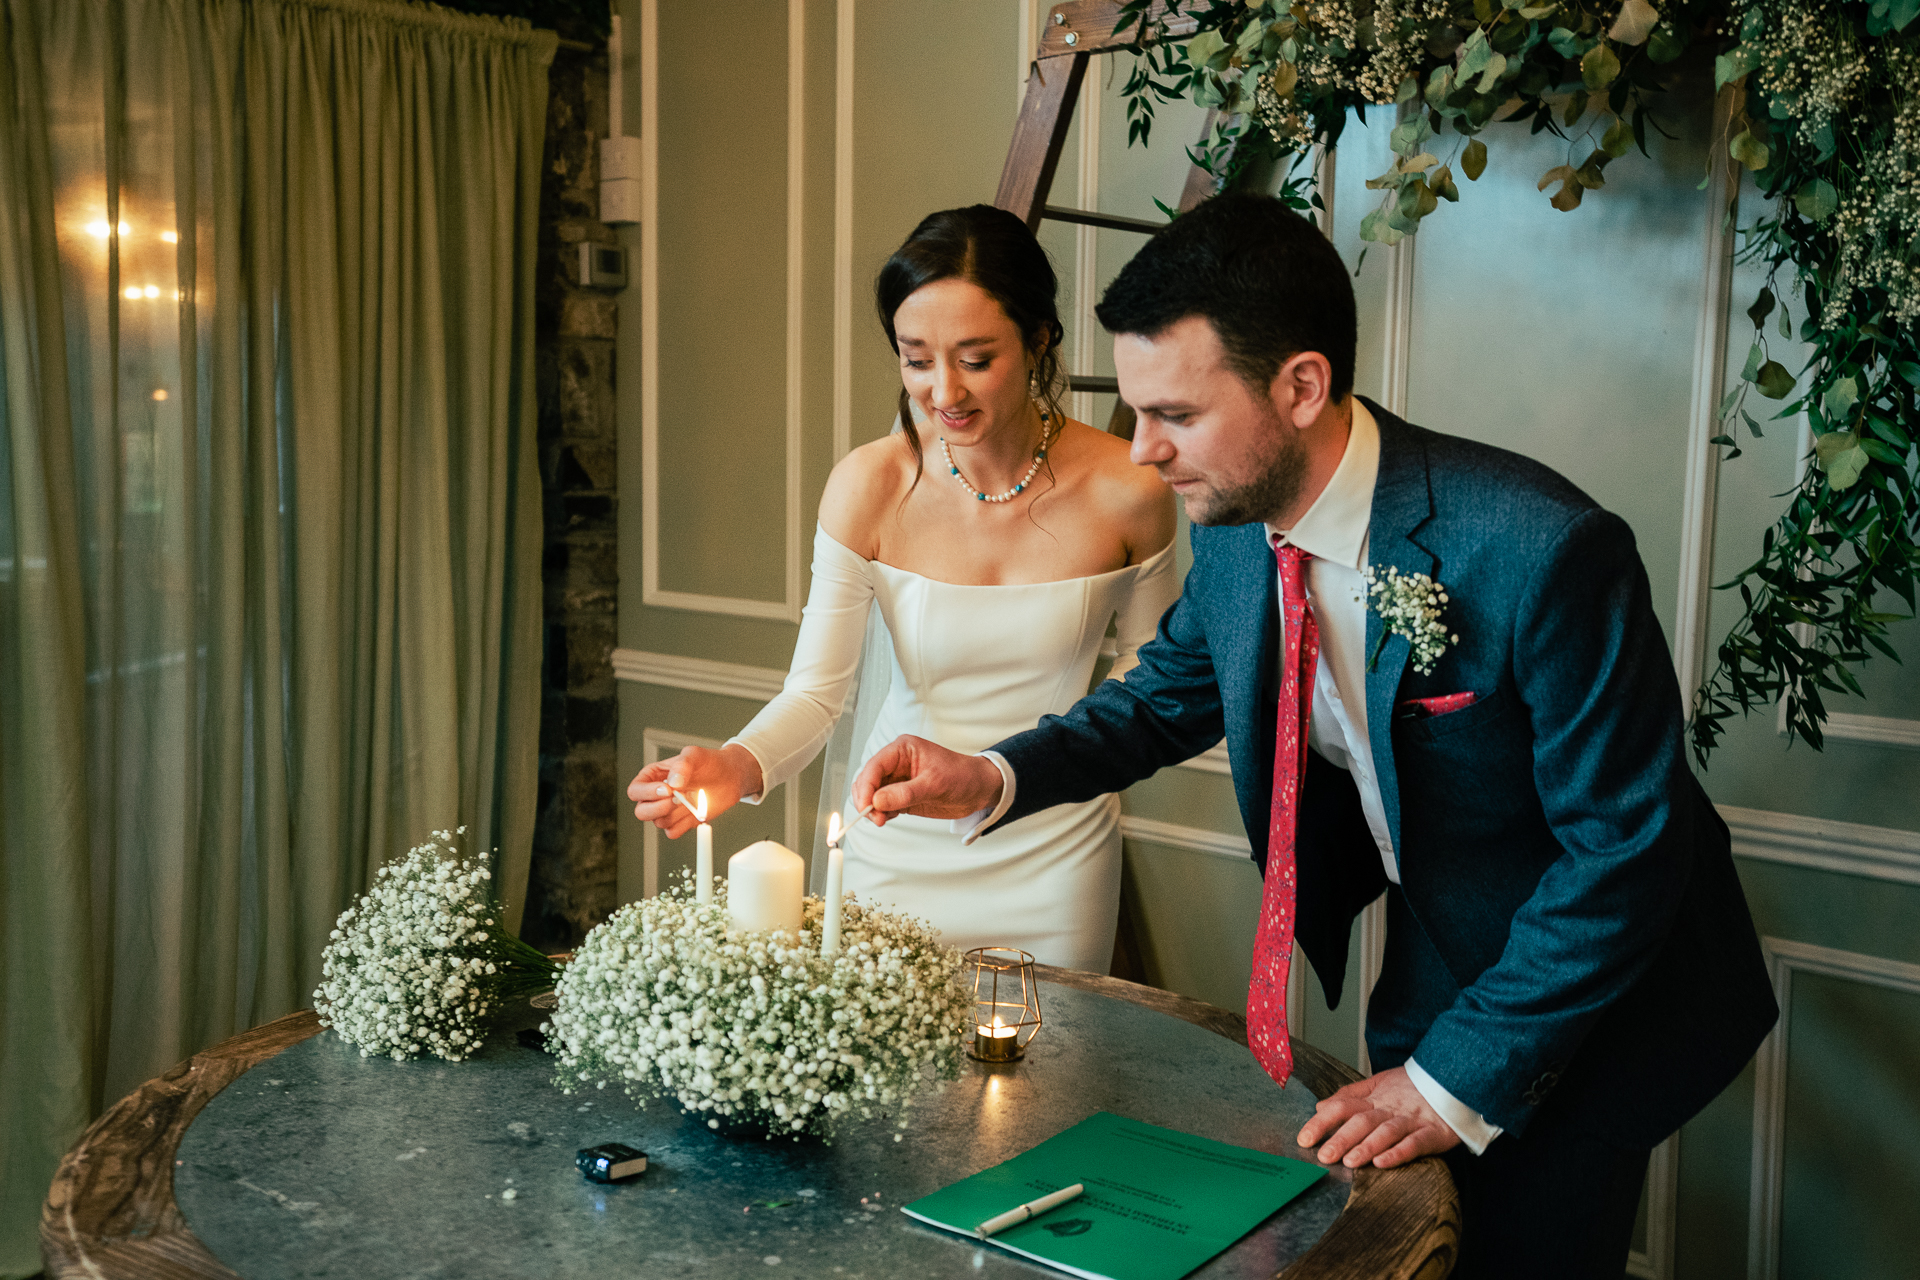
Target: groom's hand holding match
[(912, 775)]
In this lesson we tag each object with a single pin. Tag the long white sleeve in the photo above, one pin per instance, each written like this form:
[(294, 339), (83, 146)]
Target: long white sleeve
[(1155, 589), (789, 731)]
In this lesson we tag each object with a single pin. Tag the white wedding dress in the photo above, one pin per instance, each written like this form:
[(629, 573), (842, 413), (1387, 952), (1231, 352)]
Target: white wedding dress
[(969, 666)]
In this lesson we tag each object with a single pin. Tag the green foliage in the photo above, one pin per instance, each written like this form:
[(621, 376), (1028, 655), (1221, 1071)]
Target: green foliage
[(1826, 119), (1286, 74), (1828, 92)]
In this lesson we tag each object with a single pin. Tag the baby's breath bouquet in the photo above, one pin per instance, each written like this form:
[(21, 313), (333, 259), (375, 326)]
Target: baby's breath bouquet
[(759, 1029), (419, 961)]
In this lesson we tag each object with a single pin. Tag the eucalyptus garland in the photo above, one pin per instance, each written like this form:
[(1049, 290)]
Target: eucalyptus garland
[(1823, 113)]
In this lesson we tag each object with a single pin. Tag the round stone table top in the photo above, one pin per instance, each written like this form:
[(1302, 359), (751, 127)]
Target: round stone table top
[(313, 1161)]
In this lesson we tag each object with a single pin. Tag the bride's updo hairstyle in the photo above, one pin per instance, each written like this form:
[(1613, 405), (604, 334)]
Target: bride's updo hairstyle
[(993, 249)]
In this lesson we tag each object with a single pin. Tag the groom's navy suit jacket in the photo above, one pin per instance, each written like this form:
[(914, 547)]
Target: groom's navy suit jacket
[(1552, 842)]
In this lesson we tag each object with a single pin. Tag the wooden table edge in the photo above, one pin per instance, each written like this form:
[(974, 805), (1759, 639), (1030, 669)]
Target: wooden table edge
[(1416, 1199), (110, 1213)]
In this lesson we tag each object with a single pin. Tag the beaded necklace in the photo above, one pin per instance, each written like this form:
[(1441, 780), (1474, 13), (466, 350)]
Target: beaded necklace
[(1039, 456)]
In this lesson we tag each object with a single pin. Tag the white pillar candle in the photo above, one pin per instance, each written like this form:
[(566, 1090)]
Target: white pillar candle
[(702, 855), (764, 888)]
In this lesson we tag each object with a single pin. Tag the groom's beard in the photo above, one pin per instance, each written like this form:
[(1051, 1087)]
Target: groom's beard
[(1260, 498)]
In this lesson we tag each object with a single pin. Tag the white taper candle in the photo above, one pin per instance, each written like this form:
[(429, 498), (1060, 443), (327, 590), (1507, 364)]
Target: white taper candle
[(836, 870), (702, 855)]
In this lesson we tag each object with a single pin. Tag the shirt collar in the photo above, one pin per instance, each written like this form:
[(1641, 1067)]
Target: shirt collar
[(1334, 528)]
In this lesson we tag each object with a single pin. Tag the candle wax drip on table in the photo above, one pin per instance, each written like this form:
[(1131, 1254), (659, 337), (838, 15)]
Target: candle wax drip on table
[(836, 872), (764, 888)]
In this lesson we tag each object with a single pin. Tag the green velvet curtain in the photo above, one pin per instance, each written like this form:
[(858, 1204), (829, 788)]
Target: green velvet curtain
[(269, 510)]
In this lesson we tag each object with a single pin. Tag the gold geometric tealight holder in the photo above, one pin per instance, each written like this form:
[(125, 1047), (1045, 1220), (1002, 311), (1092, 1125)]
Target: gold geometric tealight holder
[(1006, 1003)]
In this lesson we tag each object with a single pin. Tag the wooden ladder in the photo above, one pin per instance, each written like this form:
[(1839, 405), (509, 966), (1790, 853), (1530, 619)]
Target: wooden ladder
[(1074, 33)]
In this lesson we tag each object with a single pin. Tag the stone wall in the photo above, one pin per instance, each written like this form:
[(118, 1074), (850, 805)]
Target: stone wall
[(573, 882)]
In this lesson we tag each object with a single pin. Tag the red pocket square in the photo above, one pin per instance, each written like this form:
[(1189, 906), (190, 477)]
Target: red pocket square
[(1422, 708)]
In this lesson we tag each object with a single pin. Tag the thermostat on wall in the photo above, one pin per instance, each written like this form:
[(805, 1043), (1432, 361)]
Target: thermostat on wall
[(602, 266)]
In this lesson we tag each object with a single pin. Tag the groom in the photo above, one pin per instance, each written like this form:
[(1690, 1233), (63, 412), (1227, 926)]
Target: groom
[(1493, 738)]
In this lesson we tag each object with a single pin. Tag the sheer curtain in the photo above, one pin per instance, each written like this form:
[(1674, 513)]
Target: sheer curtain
[(269, 509)]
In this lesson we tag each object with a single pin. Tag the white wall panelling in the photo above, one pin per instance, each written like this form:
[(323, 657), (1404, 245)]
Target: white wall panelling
[(1373, 955), (1175, 836), (701, 675), (1703, 423), (1846, 726), (796, 284), (1398, 347), (1325, 160), (1663, 1184), (1851, 848), (651, 592), (788, 608), (1784, 958), (842, 229), (1882, 731)]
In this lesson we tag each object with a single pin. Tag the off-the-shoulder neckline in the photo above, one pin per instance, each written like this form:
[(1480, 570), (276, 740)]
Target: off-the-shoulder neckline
[(995, 586)]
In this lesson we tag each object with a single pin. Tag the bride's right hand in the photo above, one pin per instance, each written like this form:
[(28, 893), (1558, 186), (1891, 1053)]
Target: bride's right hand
[(725, 775)]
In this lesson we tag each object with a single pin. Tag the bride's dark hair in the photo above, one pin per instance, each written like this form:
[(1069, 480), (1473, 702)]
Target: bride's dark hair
[(993, 249)]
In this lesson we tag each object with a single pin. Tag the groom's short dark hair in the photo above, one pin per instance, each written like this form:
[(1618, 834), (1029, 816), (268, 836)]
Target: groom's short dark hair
[(1263, 276)]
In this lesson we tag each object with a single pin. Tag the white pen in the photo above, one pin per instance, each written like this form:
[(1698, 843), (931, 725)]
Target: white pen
[(1032, 1208)]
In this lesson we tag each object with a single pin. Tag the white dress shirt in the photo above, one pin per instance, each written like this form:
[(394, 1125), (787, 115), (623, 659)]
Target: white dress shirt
[(1334, 530)]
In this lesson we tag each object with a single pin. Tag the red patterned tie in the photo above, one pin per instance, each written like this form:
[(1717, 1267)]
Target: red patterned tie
[(1273, 944)]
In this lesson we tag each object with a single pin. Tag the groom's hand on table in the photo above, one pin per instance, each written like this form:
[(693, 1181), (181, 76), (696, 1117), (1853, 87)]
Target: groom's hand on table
[(1381, 1120), (725, 775), (912, 775)]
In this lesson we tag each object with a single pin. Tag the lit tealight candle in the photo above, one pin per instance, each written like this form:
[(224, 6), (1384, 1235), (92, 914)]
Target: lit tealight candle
[(764, 888), (996, 1043), (830, 923)]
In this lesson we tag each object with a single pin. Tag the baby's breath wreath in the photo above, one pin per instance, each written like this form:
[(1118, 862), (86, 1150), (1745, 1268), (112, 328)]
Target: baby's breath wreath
[(759, 1029), (419, 961)]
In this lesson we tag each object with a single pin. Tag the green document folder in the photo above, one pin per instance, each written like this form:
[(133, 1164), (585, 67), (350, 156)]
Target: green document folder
[(1158, 1202)]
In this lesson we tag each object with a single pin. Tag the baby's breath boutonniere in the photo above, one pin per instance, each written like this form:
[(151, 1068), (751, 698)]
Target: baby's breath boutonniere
[(1410, 605)]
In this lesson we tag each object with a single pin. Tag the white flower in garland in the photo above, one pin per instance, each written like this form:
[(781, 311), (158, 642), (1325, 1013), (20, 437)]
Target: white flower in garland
[(417, 963), (759, 1028), (1410, 605)]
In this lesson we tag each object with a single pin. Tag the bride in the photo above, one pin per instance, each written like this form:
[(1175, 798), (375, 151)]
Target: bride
[(998, 539)]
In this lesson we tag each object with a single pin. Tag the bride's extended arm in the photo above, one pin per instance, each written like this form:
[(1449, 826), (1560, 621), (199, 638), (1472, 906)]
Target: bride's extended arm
[(790, 730)]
